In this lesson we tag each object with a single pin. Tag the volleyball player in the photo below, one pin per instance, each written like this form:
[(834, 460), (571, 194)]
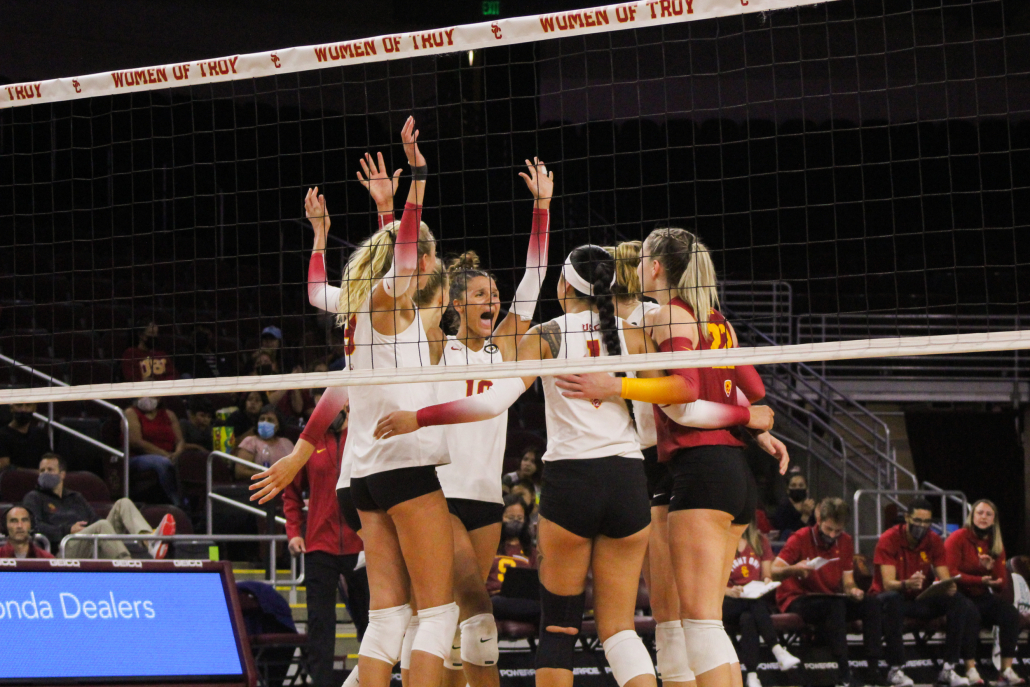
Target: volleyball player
[(593, 508), (404, 517), (472, 480), (713, 494)]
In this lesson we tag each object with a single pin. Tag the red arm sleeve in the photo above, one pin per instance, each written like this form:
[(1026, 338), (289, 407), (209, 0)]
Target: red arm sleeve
[(750, 383), (329, 406), (405, 252), (384, 219), (293, 505)]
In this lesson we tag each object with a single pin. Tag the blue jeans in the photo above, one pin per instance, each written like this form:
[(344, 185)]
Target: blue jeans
[(165, 473)]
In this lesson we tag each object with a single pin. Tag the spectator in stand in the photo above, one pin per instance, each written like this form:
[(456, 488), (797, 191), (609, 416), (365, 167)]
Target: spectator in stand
[(907, 558), (330, 550), (156, 441), (264, 448), (196, 428), (145, 362), (16, 525), (531, 470), (824, 593), (753, 563), (272, 344), (288, 402), (515, 551), (58, 512), (976, 552), (22, 441), (796, 511), (204, 363), (244, 420)]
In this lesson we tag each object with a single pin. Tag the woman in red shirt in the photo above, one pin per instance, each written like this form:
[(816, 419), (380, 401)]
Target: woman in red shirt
[(156, 440), (977, 553), (753, 563)]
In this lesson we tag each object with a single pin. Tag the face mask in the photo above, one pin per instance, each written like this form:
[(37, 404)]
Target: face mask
[(338, 422), (511, 529), (983, 532), (266, 430), (826, 541), (48, 480), (21, 418), (147, 404), (797, 495), (918, 531)]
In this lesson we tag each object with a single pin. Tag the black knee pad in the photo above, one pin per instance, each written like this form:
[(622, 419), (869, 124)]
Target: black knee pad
[(555, 648)]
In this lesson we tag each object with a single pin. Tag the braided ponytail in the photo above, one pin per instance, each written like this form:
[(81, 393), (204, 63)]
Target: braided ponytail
[(598, 266)]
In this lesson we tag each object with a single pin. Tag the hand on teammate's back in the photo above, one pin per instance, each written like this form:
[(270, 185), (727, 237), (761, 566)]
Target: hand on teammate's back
[(396, 423)]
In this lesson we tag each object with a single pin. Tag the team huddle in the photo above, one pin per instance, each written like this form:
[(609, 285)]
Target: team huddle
[(644, 471)]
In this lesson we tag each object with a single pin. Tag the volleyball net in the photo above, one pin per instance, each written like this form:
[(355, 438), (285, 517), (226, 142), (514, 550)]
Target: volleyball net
[(859, 171)]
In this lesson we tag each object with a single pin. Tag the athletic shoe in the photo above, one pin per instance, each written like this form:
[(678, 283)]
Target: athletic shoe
[(896, 677), (786, 659), (1009, 677), (753, 681), (973, 676), (949, 677), (166, 528)]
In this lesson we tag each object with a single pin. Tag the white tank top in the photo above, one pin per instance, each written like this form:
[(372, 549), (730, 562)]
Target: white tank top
[(643, 413), (578, 428), (372, 350), (476, 449)]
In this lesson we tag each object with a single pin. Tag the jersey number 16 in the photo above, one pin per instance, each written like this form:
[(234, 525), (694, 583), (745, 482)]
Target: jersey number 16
[(472, 387)]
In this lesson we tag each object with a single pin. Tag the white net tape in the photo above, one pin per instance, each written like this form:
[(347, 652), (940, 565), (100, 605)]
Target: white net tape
[(629, 15), (835, 350)]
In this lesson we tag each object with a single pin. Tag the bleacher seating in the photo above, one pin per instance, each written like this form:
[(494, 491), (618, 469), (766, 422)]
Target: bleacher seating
[(17, 482)]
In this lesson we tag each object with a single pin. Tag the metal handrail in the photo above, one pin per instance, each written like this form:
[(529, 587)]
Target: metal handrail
[(211, 496), (963, 501), (893, 494), (297, 579), (104, 404)]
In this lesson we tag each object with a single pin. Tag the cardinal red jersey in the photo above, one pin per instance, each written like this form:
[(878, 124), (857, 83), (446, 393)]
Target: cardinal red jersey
[(893, 549), (717, 384), (747, 565)]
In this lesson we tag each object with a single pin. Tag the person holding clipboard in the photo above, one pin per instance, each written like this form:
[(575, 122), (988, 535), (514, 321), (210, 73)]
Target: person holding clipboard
[(816, 569), (907, 558)]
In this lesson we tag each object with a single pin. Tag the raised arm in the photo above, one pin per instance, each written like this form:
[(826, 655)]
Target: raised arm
[(320, 294), (380, 185), (405, 253), (520, 316), (484, 406)]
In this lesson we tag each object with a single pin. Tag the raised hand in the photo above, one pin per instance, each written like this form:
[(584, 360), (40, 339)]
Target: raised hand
[(316, 212), (380, 185), (539, 181), (409, 135)]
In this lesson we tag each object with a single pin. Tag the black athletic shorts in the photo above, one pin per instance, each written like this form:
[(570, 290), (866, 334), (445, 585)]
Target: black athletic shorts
[(345, 500), (659, 481), (384, 490), (476, 514), (592, 496), (714, 478)]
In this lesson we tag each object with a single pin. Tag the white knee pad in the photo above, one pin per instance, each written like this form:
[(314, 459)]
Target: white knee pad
[(385, 632), (627, 656), (479, 640), (673, 665), (352, 678), (409, 638), (708, 645), (453, 661), (436, 628)]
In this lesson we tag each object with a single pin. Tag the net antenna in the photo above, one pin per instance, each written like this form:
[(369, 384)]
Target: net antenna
[(170, 195)]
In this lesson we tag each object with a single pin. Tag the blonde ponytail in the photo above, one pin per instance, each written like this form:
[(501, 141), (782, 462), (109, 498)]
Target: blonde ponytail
[(627, 258), (369, 263), (689, 270)]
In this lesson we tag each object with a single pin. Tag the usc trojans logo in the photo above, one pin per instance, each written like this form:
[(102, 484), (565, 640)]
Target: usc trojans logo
[(728, 386), (924, 557), (744, 571)]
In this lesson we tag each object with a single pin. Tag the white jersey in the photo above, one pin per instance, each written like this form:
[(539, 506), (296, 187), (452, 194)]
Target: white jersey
[(643, 413), (372, 350), (476, 449), (578, 428)]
